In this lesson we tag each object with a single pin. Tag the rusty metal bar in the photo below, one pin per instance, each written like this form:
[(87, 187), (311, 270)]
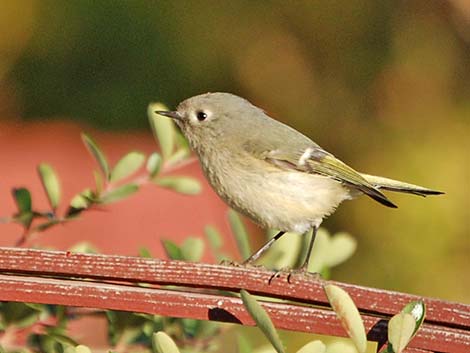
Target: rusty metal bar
[(200, 275), (83, 280), (209, 307)]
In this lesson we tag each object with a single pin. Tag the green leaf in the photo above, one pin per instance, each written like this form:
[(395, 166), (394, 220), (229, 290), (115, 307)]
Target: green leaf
[(25, 214), (25, 219), (82, 349), (243, 344), (341, 247), (62, 338), (172, 250), (207, 329), (50, 182), (145, 253), (313, 347), (330, 251), (214, 237), (84, 247), (46, 225), (97, 154), (262, 319), (181, 141), (192, 249), (240, 233), (98, 181), (127, 165), (184, 185), (190, 326), (35, 306), (417, 309), (80, 202), (400, 331), (162, 343), (18, 314), (178, 156), (347, 346), (124, 327), (163, 129), (119, 193), (22, 198), (284, 252), (154, 164), (347, 313)]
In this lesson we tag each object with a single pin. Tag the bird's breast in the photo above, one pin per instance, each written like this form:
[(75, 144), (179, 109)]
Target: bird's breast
[(272, 197)]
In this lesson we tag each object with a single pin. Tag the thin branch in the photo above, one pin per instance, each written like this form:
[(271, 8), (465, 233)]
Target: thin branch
[(139, 180)]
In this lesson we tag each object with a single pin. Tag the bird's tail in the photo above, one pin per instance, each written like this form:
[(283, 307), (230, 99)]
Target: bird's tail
[(399, 186)]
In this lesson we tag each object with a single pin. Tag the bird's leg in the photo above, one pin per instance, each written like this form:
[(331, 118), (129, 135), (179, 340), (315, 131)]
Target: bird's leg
[(265, 247), (303, 269), (304, 266)]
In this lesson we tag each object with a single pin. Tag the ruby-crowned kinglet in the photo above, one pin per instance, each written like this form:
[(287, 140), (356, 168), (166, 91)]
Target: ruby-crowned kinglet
[(270, 172)]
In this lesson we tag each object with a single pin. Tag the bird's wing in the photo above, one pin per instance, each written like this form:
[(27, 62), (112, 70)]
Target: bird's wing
[(314, 160)]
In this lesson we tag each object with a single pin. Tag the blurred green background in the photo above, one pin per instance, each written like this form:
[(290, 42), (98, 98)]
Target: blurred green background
[(383, 85)]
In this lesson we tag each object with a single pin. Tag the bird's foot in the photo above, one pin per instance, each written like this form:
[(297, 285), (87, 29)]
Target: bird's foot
[(246, 264), (301, 272), (279, 273), (226, 262)]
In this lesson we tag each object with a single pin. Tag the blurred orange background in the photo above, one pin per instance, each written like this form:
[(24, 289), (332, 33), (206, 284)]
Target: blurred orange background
[(385, 86)]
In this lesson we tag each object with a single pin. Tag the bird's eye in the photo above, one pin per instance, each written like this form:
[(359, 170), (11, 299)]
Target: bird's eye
[(201, 116)]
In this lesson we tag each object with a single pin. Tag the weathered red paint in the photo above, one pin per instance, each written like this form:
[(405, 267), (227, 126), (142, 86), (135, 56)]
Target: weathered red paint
[(447, 326)]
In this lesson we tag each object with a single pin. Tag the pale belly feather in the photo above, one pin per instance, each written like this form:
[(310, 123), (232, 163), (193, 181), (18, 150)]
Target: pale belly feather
[(275, 198)]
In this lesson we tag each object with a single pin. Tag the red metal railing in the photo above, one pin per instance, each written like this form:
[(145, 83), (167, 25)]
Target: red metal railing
[(111, 282)]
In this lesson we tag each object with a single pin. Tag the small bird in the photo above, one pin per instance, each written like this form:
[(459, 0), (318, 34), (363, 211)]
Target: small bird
[(270, 172)]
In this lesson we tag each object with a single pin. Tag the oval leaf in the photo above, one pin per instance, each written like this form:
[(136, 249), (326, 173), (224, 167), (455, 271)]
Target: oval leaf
[(127, 165), (344, 346), (192, 249), (400, 331), (154, 163), (163, 129), (183, 185), (172, 250), (214, 237), (51, 185), (240, 233), (284, 253), (83, 199), (119, 193), (417, 309), (162, 343), (342, 246), (178, 156), (348, 314), (80, 202), (262, 319), (97, 154), (243, 345), (313, 347), (84, 247), (82, 349), (22, 198)]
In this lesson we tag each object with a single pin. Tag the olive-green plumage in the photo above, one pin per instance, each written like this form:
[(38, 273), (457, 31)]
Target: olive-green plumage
[(269, 171)]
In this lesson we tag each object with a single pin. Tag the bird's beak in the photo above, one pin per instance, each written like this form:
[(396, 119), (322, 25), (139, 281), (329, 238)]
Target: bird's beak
[(171, 114)]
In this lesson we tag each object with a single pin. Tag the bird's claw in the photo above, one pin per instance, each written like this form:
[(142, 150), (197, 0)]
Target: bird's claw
[(302, 272), (238, 264)]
